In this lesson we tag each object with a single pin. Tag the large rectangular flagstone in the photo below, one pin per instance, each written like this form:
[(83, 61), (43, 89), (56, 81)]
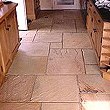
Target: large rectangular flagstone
[(65, 61)]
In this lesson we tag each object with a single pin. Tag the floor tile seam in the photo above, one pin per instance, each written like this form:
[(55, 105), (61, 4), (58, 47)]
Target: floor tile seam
[(34, 36), (83, 61), (95, 93), (55, 102), (22, 75), (52, 24), (48, 59), (60, 102), (32, 89), (51, 28), (45, 42), (75, 26), (38, 56), (62, 39), (41, 106), (21, 102), (47, 74), (76, 48), (73, 48), (78, 88)]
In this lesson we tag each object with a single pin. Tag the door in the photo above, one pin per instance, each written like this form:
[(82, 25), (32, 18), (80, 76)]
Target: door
[(66, 4)]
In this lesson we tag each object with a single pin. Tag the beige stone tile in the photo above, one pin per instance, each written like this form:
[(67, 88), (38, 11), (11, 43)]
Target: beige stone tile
[(92, 69), (80, 26), (27, 34), (45, 28), (31, 33), (57, 14), (24, 64), (65, 25), (55, 89), (63, 21), (95, 101), (35, 49), (41, 25), (22, 33), (61, 106), (52, 14), (33, 26), (72, 14), (20, 106), (65, 61), (48, 37), (93, 84), (76, 40), (27, 39), (17, 88), (44, 20), (63, 28), (89, 56), (56, 45)]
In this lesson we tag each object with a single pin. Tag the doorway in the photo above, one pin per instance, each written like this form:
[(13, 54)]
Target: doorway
[(64, 4), (59, 4)]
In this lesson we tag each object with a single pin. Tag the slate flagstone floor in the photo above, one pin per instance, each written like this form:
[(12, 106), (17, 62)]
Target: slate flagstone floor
[(55, 68)]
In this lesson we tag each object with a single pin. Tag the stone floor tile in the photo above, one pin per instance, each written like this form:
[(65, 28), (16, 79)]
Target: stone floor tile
[(65, 25), (56, 45), (72, 14), (43, 26), (56, 89), (80, 25), (61, 106), (63, 28), (63, 21), (92, 69), (76, 40), (65, 61), (17, 88), (44, 20), (24, 64), (27, 34), (22, 33), (48, 37), (27, 39), (89, 56), (20, 106), (51, 14), (93, 84), (31, 33), (35, 49), (95, 101)]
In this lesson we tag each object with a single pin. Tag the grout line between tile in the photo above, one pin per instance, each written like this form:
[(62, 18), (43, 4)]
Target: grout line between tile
[(83, 60), (62, 40), (75, 26), (34, 37), (41, 107), (33, 88), (47, 59), (55, 102), (61, 74), (52, 25), (78, 88)]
